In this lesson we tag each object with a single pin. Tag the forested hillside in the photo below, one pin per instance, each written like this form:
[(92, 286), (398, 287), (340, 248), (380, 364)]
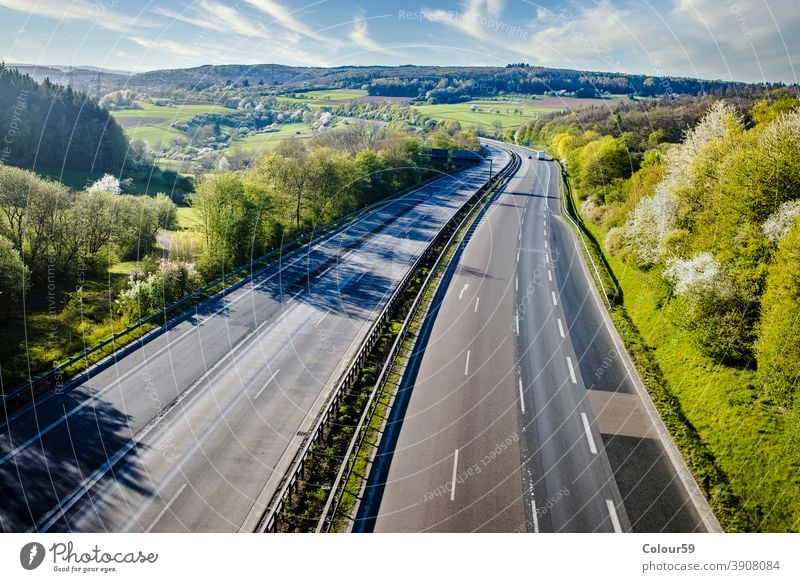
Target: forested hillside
[(52, 126), (704, 238)]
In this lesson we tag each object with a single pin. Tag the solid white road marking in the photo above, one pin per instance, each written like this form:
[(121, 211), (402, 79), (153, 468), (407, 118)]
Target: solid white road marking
[(455, 469), (466, 366), (588, 431), (476, 304), (560, 328), (535, 516), (571, 371), (464, 288), (555, 301), (521, 399), (166, 508), (612, 511), (267, 383), (549, 275)]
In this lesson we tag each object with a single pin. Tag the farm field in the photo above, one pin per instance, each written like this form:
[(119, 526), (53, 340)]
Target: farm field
[(267, 141), (486, 114), (152, 123)]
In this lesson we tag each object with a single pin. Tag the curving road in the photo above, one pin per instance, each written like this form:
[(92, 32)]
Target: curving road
[(520, 411), (192, 428)]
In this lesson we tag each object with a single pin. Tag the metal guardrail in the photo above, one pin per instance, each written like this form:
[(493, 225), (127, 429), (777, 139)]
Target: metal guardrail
[(346, 469), (160, 317), (270, 521)]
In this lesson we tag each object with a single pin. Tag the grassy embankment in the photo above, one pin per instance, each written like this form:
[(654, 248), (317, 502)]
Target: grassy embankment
[(741, 450)]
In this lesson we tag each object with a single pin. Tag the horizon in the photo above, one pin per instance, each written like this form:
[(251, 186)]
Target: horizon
[(698, 39)]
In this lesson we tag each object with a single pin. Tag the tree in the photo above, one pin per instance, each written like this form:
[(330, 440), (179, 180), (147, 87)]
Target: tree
[(603, 161), (14, 277), (229, 220), (778, 345), (107, 183)]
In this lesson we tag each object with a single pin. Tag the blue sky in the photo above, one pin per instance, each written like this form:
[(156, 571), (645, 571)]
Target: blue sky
[(751, 40)]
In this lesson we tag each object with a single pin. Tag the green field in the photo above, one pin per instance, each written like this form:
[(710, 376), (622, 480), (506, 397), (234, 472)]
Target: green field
[(187, 218), (152, 123), (261, 142), (332, 94), (483, 118)]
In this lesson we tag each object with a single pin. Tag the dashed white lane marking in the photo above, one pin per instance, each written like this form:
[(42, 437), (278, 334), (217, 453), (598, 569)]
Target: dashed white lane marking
[(455, 470), (545, 244), (545, 233), (466, 366), (549, 275), (588, 432), (571, 371), (555, 301), (521, 399), (547, 257), (612, 512), (560, 328), (477, 299), (518, 255), (271, 378), (464, 288), (516, 284), (166, 508), (516, 321), (535, 516)]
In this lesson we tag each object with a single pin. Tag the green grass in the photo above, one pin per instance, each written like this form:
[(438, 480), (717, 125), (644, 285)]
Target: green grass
[(752, 443), (187, 218), (155, 120), (123, 268), (482, 118), (332, 94), (261, 142)]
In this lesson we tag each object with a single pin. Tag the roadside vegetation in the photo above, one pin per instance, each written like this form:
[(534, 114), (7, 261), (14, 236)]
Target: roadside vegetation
[(700, 230), (76, 266)]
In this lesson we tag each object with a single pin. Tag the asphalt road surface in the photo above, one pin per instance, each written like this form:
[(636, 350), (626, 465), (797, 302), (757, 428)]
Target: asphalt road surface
[(193, 428), (519, 412)]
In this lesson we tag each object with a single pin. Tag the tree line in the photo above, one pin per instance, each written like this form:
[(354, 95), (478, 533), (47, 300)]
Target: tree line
[(304, 184), (48, 125), (716, 214), (53, 236)]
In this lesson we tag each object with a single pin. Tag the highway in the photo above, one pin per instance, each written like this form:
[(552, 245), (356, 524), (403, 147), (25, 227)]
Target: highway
[(192, 429), (519, 412)]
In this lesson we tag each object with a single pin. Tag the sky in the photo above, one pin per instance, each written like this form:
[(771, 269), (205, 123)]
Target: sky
[(746, 40)]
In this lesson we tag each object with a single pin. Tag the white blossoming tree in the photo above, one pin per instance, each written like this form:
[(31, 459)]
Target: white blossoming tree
[(778, 225), (650, 222), (107, 183)]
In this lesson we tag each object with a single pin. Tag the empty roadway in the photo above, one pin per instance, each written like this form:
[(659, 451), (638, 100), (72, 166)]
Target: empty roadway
[(193, 428), (520, 411)]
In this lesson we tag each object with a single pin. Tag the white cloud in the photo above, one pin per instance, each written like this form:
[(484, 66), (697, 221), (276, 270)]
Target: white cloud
[(214, 16), (79, 10), (360, 36), (286, 17)]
